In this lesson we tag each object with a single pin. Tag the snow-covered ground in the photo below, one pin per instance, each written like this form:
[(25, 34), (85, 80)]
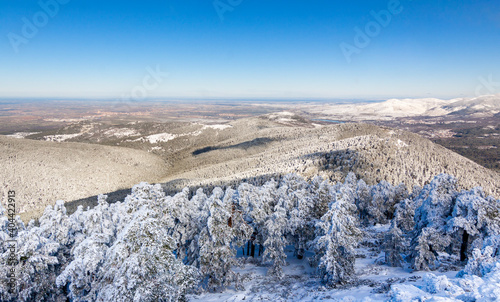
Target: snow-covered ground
[(22, 134), (121, 132), (160, 137), (217, 127), (165, 137), (376, 282), (395, 108), (61, 137)]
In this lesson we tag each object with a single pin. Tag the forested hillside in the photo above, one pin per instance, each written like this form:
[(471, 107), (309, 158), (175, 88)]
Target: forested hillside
[(153, 247)]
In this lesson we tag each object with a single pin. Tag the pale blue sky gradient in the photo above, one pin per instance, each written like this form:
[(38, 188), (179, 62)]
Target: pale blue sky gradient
[(261, 49)]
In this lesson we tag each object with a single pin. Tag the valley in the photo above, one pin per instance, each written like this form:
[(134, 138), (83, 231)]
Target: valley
[(222, 143)]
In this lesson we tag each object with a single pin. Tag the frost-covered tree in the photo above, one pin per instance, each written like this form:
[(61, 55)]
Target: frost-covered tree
[(483, 261), (474, 216), (397, 240), (216, 252), (40, 254), (323, 194), (377, 204), (394, 246), (339, 236), (449, 221), (98, 232), (363, 202), (404, 215), (275, 242), (37, 262), (138, 264), (351, 181), (296, 198), (436, 202), (189, 220), (141, 266), (257, 204), (55, 224)]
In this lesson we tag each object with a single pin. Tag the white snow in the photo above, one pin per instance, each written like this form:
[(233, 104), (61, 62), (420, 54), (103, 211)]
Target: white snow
[(400, 144), (157, 148), (61, 137), (217, 127), (160, 138), (394, 108), (22, 134), (113, 244), (120, 132)]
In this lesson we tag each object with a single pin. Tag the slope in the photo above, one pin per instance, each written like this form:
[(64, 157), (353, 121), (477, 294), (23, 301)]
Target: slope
[(263, 147), (42, 172)]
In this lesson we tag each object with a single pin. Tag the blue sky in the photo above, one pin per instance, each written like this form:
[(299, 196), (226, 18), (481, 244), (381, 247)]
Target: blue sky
[(258, 49)]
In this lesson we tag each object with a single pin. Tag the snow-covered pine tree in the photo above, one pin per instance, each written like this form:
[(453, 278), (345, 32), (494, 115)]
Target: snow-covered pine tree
[(397, 240), (217, 254), (436, 202), (257, 204), (38, 261), (241, 228), (138, 264), (275, 243), (339, 236), (97, 231), (394, 246), (384, 199), (184, 215), (322, 194), (474, 217), (404, 215), (449, 221), (482, 261), (363, 202), (141, 265), (351, 181), (298, 202), (199, 214)]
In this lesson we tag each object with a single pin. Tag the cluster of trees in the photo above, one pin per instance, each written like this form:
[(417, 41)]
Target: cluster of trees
[(441, 219), (153, 247)]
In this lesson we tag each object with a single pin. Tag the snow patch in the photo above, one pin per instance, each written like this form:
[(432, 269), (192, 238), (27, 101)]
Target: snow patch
[(157, 148), (121, 132), (22, 134), (160, 138), (217, 127), (61, 137), (406, 293), (401, 144)]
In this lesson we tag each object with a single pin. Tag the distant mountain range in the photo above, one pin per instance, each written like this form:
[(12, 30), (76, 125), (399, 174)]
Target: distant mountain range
[(482, 106)]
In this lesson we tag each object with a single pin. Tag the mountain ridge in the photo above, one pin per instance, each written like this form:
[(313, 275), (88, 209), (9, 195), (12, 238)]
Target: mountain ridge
[(251, 148)]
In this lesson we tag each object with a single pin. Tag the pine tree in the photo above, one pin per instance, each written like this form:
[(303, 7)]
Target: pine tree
[(483, 260), (363, 202), (394, 246), (339, 236), (216, 254), (275, 241), (436, 202), (474, 217), (141, 265)]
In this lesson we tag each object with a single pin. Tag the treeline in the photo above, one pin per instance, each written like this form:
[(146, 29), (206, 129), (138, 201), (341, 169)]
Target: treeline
[(153, 247)]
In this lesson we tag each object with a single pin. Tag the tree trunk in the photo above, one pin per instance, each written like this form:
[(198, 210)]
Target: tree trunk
[(464, 247)]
